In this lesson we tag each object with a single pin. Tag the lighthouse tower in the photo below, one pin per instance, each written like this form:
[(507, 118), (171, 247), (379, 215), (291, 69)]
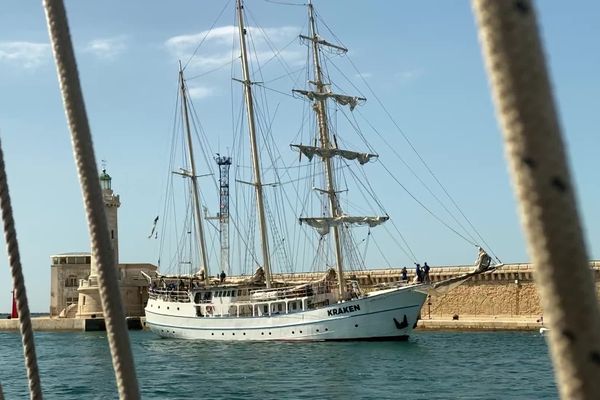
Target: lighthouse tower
[(89, 304), (111, 206)]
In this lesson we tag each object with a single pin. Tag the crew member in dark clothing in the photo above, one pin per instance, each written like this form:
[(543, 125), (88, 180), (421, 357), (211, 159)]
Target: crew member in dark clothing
[(418, 273), (223, 276), (404, 274), (426, 272)]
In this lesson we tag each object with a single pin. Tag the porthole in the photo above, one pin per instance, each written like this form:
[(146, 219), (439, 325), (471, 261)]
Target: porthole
[(317, 330), (223, 334), (244, 333), (168, 308), (292, 332), (300, 331), (262, 333), (356, 325), (326, 329), (269, 333), (233, 334), (177, 308), (213, 334), (158, 306)]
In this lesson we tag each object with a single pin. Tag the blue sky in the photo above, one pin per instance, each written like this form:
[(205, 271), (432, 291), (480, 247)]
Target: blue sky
[(421, 58)]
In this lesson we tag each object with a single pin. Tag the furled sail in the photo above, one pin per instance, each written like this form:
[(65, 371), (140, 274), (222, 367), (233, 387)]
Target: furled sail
[(311, 151), (341, 99), (323, 224)]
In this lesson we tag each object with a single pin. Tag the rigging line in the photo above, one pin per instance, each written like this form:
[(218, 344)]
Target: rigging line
[(168, 182), (19, 288), (360, 183), (85, 159), (206, 35), (414, 257), (412, 171), (366, 240), (389, 115), (382, 253), (425, 207), (273, 48), (210, 71), (268, 131), (275, 90), (285, 75)]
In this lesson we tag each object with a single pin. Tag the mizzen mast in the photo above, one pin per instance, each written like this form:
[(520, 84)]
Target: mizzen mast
[(191, 173), (260, 205)]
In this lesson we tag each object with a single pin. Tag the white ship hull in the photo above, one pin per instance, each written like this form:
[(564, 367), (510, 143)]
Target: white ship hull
[(383, 315)]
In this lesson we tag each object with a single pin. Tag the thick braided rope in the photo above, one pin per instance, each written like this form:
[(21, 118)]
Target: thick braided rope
[(534, 147), (14, 260), (116, 328)]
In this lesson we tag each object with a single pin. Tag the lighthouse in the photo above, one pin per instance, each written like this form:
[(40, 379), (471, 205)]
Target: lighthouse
[(89, 304), (111, 206)]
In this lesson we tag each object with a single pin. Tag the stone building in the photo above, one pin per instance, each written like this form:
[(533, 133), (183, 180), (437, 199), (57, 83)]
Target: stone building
[(66, 271), (74, 276)]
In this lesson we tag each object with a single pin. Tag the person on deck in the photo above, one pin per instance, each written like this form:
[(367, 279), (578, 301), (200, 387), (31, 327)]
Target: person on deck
[(404, 274), (418, 272), (223, 276), (426, 272)]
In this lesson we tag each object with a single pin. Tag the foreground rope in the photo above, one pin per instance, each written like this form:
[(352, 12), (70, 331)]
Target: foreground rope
[(14, 260), (116, 328), (533, 144)]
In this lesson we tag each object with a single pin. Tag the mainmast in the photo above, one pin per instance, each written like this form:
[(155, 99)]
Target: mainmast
[(194, 178), (260, 205), (321, 110)]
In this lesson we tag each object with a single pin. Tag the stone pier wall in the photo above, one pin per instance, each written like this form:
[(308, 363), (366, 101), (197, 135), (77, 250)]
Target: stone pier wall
[(507, 292)]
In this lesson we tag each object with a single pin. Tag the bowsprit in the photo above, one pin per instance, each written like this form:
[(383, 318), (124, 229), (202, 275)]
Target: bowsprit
[(343, 310)]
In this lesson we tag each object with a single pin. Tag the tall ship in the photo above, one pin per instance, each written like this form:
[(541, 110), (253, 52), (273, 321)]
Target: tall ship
[(258, 307)]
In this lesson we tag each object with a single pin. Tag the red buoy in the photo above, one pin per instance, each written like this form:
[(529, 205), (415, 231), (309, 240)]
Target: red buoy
[(14, 313)]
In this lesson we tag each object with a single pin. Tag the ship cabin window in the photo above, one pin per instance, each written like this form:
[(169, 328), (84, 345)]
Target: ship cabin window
[(294, 306), (233, 293), (279, 307), (265, 309), (229, 293)]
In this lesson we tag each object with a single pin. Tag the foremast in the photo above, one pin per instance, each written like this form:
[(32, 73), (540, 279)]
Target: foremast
[(260, 205), (328, 149), (191, 173)]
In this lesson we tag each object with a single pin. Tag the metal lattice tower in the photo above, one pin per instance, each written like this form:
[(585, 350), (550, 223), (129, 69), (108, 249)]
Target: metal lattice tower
[(224, 163)]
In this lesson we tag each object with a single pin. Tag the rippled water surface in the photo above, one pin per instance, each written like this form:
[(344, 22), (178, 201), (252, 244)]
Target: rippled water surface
[(431, 365)]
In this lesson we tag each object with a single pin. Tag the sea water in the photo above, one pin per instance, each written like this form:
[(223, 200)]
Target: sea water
[(430, 365)]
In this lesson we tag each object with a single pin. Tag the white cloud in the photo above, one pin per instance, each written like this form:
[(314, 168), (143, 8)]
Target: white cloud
[(106, 49), (200, 92), (24, 54), (364, 75), (408, 75), (211, 53)]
